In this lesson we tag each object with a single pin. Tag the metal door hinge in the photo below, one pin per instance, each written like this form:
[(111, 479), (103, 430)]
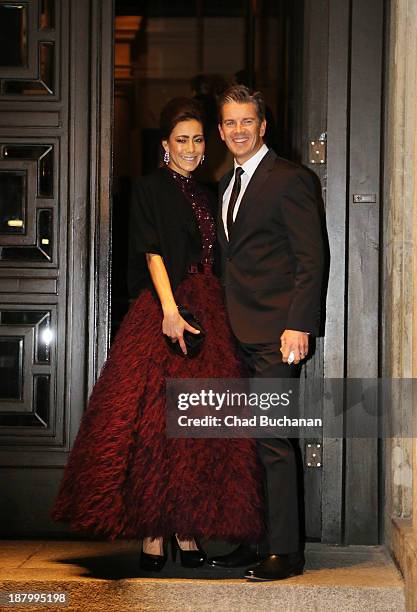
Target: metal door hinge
[(313, 455), (317, 151)]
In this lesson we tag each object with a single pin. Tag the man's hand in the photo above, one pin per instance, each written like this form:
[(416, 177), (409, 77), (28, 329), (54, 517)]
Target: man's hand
[(294, 342)]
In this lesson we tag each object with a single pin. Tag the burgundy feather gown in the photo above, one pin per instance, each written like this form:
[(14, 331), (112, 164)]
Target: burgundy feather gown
[(124, 477)]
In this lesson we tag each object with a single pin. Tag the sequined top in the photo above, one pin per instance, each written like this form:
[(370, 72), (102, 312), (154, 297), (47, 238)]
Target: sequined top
[(200, 205)]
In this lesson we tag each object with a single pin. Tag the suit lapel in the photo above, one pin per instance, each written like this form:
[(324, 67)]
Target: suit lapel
[(224, 181), (252, 191)]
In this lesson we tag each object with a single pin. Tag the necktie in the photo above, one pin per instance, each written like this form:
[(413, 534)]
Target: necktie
[(233, 199)]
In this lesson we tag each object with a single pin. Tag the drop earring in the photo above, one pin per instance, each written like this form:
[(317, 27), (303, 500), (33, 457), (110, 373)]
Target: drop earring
[(203, 157), (166, 157)]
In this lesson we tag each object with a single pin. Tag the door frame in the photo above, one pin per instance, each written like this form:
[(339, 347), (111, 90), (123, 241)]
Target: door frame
[(101, 163)]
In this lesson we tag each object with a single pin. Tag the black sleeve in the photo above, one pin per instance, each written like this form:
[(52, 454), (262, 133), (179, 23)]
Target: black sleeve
[(143, 237), (302, 220), (143, 228)]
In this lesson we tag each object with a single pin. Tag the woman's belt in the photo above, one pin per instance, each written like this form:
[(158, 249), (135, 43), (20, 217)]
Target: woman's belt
[(200, 268)]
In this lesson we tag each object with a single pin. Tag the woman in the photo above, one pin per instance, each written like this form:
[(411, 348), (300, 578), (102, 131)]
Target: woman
[(124, 478)]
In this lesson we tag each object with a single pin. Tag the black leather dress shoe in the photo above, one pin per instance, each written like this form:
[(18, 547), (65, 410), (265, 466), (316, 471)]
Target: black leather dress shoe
[(241, 556), (277, 567)]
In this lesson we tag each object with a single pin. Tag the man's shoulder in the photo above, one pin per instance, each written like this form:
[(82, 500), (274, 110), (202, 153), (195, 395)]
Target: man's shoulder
[(292, 173), (289, 167)]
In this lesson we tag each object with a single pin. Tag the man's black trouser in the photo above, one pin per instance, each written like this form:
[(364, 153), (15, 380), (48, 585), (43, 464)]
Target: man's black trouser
[(278, 459)]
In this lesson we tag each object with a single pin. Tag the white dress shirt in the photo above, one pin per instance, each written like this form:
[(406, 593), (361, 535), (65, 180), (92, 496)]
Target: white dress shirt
[(248, 168)]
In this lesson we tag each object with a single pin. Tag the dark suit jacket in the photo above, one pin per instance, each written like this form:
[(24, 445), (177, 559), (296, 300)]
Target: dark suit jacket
[(162, 222), (272, 268)]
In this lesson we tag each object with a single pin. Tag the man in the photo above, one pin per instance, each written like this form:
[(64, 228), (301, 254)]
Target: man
[(272, 268)]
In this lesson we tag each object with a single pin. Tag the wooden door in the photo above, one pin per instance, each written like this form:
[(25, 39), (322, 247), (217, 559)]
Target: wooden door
[(342, 92), (55, 101)]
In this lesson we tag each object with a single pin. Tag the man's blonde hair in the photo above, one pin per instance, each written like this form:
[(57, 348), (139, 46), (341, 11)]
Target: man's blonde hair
[(242, 95)]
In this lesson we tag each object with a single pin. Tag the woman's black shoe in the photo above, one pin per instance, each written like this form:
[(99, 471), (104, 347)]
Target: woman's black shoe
[(152, 563), (189, 558)]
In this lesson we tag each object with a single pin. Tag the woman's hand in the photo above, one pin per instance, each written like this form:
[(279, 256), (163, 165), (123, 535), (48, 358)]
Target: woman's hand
[(173, 325)]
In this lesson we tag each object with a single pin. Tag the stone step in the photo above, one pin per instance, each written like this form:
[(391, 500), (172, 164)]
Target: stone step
[(103, 576)]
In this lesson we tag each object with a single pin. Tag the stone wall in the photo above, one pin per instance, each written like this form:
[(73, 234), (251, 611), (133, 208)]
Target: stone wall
[(399, 281)]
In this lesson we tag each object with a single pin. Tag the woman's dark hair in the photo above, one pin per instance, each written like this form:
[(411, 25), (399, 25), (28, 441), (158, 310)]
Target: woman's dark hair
[(176, 110)]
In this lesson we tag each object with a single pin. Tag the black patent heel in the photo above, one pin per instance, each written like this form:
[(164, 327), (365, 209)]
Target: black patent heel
[(152, 563), (188, 558), (174, 548)]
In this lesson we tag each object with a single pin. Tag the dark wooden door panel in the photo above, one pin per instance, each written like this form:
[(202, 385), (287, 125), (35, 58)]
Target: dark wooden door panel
[(363, 257), (336, 218), (52, 219), (312, 123), (34, 209)]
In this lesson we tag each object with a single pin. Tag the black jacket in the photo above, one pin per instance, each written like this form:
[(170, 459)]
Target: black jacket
[(163, 222), (272, 268)]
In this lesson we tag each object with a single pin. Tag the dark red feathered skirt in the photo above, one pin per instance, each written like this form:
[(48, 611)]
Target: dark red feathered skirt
[(124, 477)]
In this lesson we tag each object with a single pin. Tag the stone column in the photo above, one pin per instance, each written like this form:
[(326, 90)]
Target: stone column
[(399, 286), (399, 300), (414, 276)]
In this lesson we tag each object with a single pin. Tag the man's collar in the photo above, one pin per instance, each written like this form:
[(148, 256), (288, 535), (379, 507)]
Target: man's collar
[(253, 162)]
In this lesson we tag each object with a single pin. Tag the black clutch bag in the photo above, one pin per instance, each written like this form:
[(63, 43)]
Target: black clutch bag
[(193, 342)]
